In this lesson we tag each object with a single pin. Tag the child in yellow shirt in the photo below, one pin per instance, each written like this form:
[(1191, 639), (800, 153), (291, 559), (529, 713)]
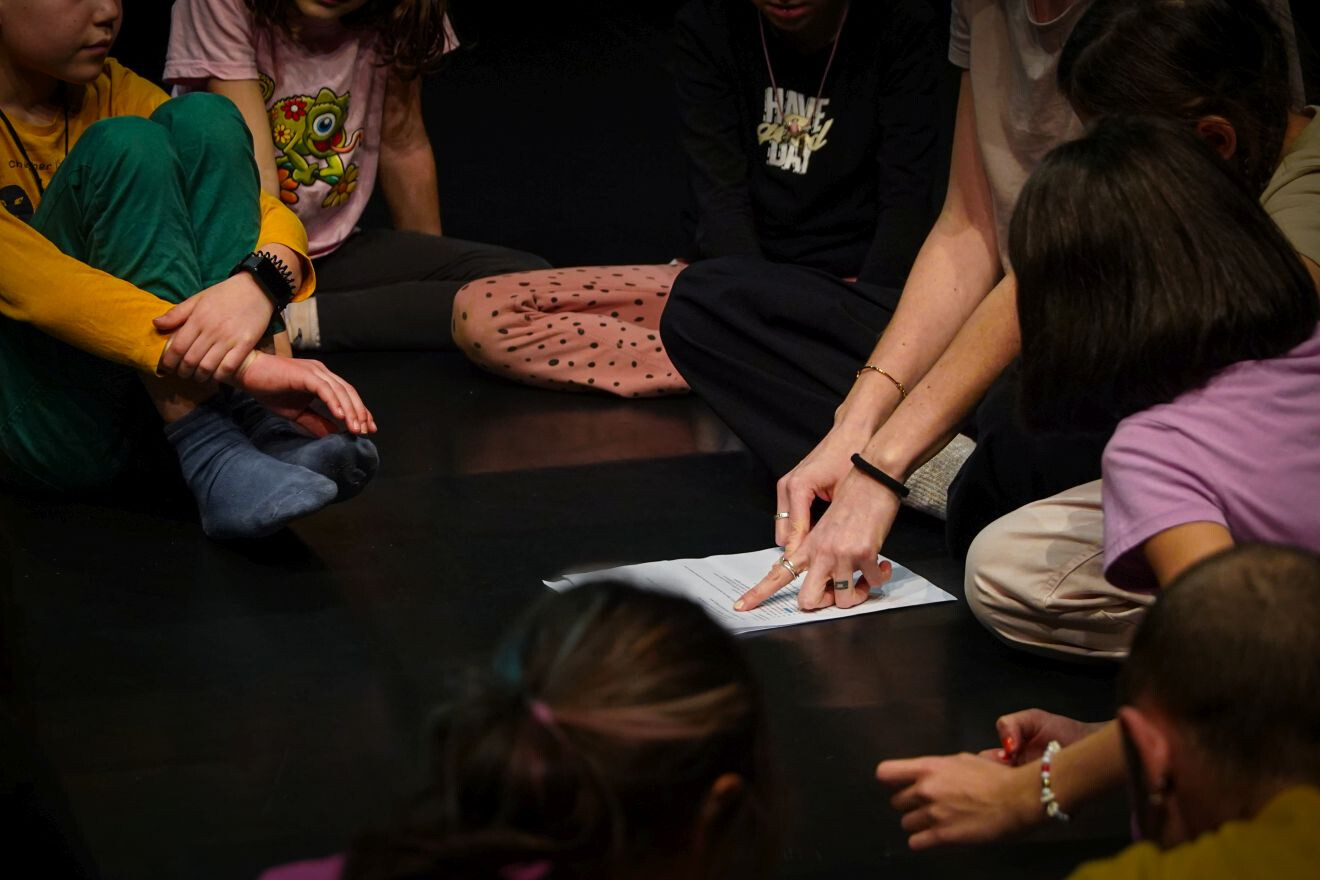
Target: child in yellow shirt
[(116, 199)]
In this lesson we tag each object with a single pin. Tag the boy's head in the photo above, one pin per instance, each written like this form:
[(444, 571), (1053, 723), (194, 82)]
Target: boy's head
[(1219, 694), (67, 40), (619, 734)]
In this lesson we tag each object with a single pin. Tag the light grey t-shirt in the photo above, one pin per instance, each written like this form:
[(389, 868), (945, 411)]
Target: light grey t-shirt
[(1020, 113)]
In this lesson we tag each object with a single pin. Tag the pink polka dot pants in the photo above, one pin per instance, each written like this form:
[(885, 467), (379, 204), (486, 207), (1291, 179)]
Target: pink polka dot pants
[(582, 329)]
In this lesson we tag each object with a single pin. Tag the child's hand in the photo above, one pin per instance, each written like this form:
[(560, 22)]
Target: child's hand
[(214, 330), (288, 387)]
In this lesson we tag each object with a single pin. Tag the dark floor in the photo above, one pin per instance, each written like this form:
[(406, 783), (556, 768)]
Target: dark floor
[(215, 708)]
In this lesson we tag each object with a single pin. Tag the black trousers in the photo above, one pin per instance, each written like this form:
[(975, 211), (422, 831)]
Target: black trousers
[(384, 289), (775, 348)]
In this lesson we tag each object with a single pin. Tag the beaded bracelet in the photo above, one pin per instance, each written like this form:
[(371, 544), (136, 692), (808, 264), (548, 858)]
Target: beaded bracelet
[(1052, 808)]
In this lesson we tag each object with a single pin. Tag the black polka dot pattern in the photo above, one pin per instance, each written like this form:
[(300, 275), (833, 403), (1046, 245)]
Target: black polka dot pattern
[(570, 313)]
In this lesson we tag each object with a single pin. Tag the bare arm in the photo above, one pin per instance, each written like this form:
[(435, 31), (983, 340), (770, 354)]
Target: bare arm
[(956, 267), (246, 95), (984, 346), (1314, 269), (1173, 551), (407, 164)]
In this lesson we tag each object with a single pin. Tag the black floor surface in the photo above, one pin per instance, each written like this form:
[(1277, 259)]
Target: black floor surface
[(211, 709)]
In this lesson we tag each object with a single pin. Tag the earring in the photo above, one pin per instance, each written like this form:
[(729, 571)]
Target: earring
[(1156, 797)]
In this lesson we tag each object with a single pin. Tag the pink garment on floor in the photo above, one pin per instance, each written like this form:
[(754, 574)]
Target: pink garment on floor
[(331, 868), (572, 329)]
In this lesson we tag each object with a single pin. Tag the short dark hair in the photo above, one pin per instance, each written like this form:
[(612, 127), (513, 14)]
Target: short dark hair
[(1186, 59), (1231, 651), (1144, 266), (410, 34), (591, 745)]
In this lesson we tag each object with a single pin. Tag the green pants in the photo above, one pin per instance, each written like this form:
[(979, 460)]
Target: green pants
[(169, 204)]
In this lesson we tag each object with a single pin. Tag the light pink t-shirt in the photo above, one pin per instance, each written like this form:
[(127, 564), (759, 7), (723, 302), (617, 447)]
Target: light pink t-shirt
[(1243, 452), (1021, 115), (324, 95)]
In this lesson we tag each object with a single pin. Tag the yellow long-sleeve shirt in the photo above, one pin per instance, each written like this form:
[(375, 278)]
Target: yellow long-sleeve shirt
[(1281, 843), (68, 299)]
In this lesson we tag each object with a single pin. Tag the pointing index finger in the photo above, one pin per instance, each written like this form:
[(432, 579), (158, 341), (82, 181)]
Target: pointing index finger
[(772, 583)]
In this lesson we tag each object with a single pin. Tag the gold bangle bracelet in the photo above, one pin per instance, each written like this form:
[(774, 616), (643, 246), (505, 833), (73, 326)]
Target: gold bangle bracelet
[(902, 392)]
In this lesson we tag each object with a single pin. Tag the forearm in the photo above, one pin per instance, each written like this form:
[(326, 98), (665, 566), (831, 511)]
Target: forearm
[(935, 408), (954, 269), (408, 180), (1088, 768), (281, 228)]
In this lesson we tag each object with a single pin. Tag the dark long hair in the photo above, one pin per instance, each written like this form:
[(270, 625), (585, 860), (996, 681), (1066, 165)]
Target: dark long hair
[(1184, 60), (588, 752), (1144, 266), (410, 34)]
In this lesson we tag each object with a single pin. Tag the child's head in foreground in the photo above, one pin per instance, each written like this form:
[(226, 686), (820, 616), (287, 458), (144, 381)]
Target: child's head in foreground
[(619, 733), (1220, 694)]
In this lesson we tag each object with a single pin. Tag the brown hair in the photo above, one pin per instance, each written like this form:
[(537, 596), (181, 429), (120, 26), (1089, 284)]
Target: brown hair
[(1184, 60), (410, 33), (589, 751)]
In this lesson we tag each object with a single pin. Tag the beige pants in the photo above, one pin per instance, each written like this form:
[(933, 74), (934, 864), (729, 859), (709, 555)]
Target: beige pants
[(1036, 579)]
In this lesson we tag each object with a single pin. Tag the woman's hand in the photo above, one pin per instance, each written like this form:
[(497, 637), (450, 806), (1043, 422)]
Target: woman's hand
[(289, 386), (816, 476), (1024, 735), (215, 329), (961, 798), (847, 539)]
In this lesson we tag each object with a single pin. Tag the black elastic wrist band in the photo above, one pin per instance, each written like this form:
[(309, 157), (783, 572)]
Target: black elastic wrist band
[(271, 274), (880, 476)]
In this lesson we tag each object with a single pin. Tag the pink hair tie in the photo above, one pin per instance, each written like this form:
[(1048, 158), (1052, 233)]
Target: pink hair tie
[(541, 712), (526, 871)]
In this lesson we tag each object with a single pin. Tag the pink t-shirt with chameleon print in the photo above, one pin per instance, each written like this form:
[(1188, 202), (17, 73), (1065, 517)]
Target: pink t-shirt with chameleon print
[(324, 95)]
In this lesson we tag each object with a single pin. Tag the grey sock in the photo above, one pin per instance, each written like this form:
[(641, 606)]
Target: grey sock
[(349, 460), (240, 491)]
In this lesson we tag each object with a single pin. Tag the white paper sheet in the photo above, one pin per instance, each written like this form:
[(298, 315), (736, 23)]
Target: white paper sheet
[(716, 582)]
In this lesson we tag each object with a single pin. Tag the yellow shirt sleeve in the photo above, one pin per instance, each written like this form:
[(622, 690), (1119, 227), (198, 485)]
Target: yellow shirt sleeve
[(279, 225), (93, 310)]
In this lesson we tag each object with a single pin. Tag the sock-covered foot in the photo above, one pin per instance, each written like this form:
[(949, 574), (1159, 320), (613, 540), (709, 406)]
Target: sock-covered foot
[(349, 460), (240, 491)]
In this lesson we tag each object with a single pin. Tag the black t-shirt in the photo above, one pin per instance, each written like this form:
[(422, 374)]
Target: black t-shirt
[(849, 194)]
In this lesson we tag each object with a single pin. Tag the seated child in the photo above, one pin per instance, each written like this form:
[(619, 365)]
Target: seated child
[(618, 734), (332, 94), (117, 199), (1037, 576), (1154, 290), (1225, 794), (1218, 723), (810, 142)]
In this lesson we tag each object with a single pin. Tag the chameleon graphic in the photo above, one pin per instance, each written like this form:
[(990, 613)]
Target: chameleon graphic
[(309, 134)]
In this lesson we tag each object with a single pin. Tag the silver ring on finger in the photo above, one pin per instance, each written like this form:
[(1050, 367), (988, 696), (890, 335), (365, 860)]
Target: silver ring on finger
[(790, 567), (783, 514)]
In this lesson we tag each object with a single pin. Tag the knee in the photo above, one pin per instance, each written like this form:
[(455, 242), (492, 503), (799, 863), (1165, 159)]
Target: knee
[(985, 584), (123, 143), (475, 329), (204, 122), (703, 296)]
